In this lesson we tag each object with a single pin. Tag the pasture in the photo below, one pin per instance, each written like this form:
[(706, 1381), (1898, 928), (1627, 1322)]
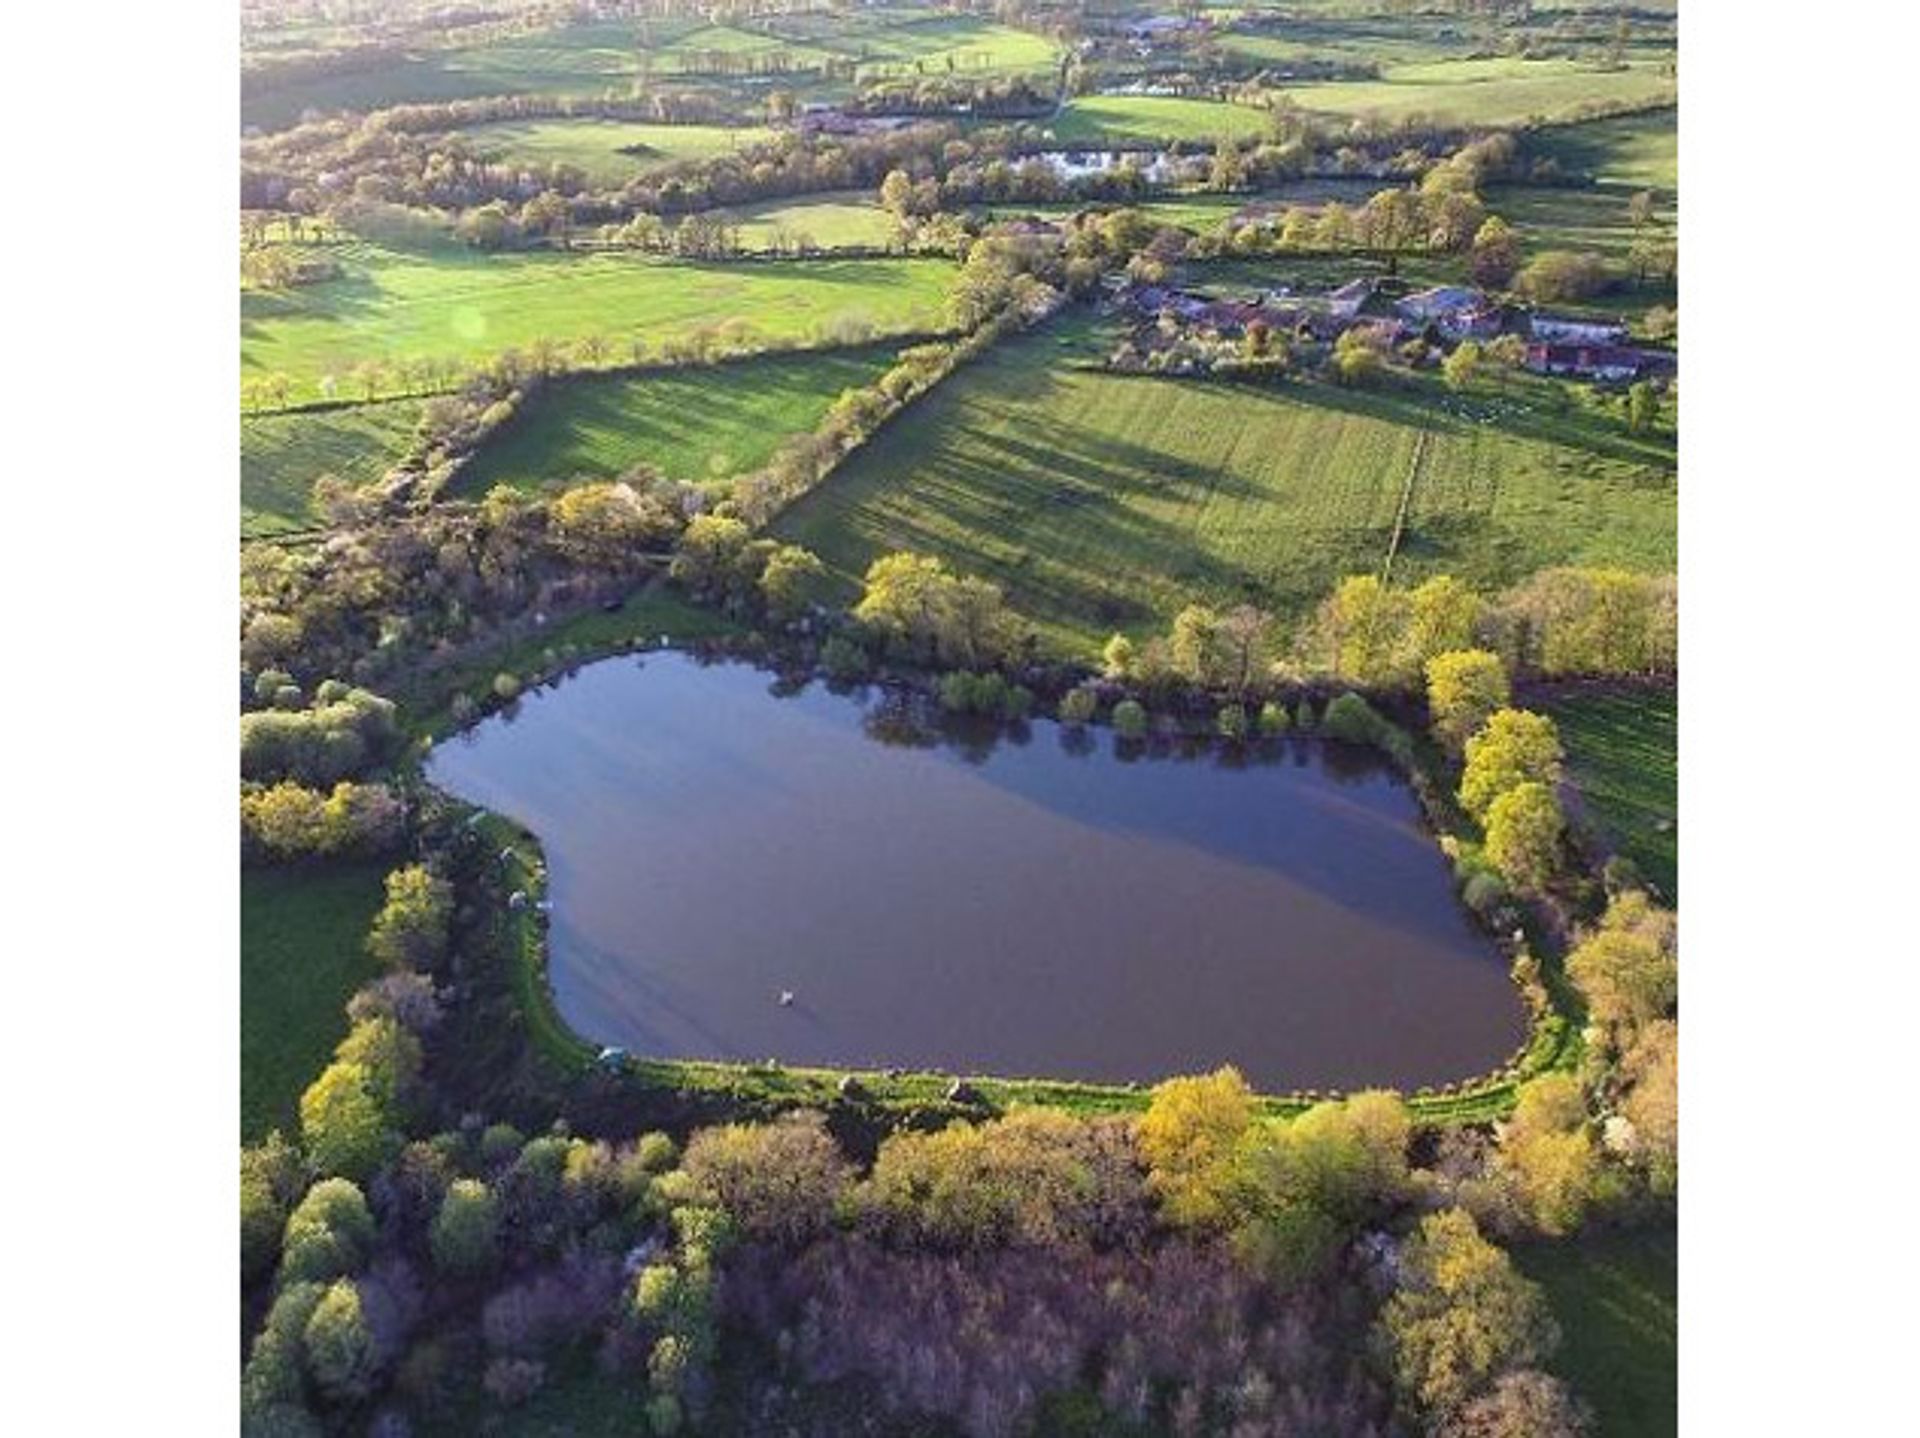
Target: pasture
[(303, 935), (1554, 218), (1638, 151), (956, 44), (281, 455), (1504, 91), (1112, 119), (1617, 1298), (463, 306), (840, 219), (571, 60), (696, 425), (1623, 750), (610, 152), (1105, 501)]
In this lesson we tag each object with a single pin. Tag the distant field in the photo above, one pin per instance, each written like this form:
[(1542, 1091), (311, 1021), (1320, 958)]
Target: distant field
[(1617, 1298), (1097, 118), (693, 425), (693, 51), (1107, 502), (281, 455), (303, 934), (838, 220), (468, 306), (1485, 92), (958, 44), (571, 60), (1551, 218), (600, 147), (1639, 151), (1623, 749)]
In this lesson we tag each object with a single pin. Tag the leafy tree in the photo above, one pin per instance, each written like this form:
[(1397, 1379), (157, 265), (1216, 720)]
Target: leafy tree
[(781, 1182), (1513, 747), (610, 526), (1548, 1155), (1461, 1317), (1643, 407), (339, 1345), (1559, 275), (915, 606), (1118, 657), (1462, 366), (1496, 254), (793, 581), (1366, 624), (410, 931), (389, 1054), (343, 1124), (1190, 1137), (274, 1379), (1465, 688), (1524, 827), (1231, 722), (270, 1181), (465, 1237), (329, 1233), (1525, 1403), (1627, 969), (1651, 1104), (1274, 719)]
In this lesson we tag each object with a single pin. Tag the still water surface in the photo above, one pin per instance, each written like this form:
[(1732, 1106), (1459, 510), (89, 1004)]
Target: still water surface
[(1050, 903)]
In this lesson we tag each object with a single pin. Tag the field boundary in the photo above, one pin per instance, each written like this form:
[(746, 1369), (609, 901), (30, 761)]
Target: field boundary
[(1420, 447)]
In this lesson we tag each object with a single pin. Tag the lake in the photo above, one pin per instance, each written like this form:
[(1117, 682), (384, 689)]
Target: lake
[(1050, 902)]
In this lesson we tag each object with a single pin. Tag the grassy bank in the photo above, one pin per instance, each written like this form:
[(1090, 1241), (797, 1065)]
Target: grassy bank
[(303, 934), (1623, 749), (1616, 1296)]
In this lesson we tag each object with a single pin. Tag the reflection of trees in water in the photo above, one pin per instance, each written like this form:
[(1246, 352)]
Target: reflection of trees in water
[(900, 720), (1077, 741)]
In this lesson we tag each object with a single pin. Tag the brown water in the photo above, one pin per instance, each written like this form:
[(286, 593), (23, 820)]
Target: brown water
[(1047, 904)]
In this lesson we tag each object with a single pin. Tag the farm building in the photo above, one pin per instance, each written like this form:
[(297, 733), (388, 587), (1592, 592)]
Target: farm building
[(1607, 362), (1561, 329), (1457, 312)]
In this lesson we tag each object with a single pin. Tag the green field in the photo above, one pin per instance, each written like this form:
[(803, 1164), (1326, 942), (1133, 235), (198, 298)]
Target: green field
[(303, 935), (1102, 118), (1616, 1296), (841, 219), (1105, 501), (951, 44), (1623, 748), (281, 455), (1551, 218), (1638, 151), (610, 152), (465, 306), (1485, 92), (694, 425), (571, 60)]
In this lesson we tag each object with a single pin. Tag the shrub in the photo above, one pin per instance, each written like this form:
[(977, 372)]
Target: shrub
[(1232, 722), (512, 1381), (843, 659), (410, 931), (1078, 706), (1129, 719), (1274, 719), (781, 1182), (506, 687), (1352, 720)]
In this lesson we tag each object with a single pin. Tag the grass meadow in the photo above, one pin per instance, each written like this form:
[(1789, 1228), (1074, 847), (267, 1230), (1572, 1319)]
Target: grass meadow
[(303, 935), (458, 305), (1623, 749), (571, 60), (696, 425), (1096, 119), (610, 152), (281, 455), (1637, 151), (1501, 91), (839, 219), (1105, 501), (1616, 1296)]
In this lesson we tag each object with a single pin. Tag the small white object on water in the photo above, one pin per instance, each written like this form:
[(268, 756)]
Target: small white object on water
[(786, 998)]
